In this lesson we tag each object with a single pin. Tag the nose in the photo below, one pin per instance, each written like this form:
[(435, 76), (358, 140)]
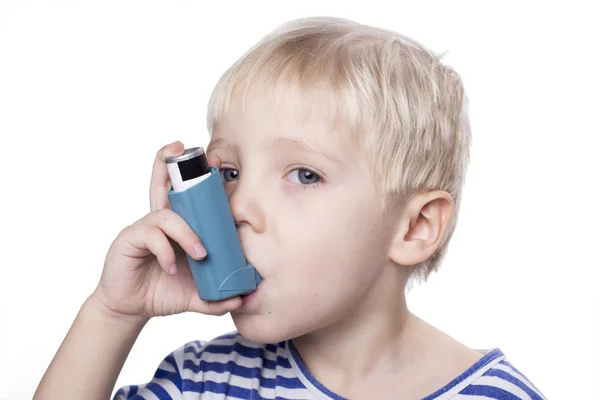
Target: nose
[(245, 206)]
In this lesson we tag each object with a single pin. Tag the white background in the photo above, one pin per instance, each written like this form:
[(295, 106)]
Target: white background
[(90, 90)]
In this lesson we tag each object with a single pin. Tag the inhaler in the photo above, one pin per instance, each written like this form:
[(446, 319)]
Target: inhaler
[(198, 196)]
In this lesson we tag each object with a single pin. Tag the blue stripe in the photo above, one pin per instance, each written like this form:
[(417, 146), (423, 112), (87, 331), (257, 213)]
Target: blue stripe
[(509, 365), (269, 364), (280, 362), (219, 388), (266, 364), (171, 376), (174, 377), (284, 362), (249, 352), (489, 391), (159, 391), (289, 383), (271, 348), (192, 349), (200, 344), (517, 382), (220, 368)]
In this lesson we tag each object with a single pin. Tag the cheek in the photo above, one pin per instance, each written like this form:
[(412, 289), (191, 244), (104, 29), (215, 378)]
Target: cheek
[(330, 254), (324, 262)]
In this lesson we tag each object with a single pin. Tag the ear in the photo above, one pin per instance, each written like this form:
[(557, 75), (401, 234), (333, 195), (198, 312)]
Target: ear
[(422, 227)]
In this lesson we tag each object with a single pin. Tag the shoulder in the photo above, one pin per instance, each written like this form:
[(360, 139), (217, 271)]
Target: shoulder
[(226, 357), (492, 377)]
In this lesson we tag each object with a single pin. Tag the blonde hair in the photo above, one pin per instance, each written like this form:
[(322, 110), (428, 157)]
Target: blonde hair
[(408, 110)]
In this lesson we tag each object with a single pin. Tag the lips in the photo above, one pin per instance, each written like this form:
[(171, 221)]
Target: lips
[(250, 297)]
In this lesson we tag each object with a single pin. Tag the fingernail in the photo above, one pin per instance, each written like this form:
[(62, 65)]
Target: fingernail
[(174, 143), (173, 269), (200, 251)]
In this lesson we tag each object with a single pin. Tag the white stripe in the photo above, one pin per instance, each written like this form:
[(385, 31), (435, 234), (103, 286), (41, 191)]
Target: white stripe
[(284, 392), (143, 390), (205, 396), (167, 366), (510, 387), (166, 384), (520, 377), (471, 397), (147, 395)]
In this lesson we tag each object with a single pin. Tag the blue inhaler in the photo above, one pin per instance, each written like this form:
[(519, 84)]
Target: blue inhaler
[(198, 196)]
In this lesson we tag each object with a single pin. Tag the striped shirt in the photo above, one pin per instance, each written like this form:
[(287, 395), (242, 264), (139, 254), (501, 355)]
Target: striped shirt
[(231, 367)]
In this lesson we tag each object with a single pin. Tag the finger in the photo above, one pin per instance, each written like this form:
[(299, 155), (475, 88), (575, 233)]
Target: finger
[(177, 229), (160, 182), (147, 238), (214, 307), (215, 161)]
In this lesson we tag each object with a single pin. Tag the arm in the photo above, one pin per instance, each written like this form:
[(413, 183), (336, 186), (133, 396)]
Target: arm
[(92, 354), (145, 274)]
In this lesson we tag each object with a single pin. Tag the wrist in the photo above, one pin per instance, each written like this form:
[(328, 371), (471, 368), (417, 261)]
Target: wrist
[(96, 308)]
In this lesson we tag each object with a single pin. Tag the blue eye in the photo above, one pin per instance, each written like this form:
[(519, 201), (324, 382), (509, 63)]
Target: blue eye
[(229, 174), (304, 177)]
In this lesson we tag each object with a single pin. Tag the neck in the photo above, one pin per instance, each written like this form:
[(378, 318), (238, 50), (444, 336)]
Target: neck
[(374, 335), (379, 344)]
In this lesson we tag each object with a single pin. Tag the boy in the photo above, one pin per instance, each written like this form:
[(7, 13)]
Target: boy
[(343, 149)]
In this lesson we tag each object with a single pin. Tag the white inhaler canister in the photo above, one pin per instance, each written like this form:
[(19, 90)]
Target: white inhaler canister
[(188, 169)]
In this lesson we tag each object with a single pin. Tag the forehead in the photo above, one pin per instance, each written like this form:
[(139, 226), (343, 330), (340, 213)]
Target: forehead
[(283, 114)]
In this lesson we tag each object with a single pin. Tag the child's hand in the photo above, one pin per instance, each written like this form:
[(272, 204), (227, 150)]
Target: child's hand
[(146, 272)]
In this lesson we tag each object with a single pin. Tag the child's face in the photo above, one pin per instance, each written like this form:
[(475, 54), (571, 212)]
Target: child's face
[(308, 217)]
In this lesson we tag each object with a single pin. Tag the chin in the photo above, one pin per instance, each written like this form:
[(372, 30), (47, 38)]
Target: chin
[(260, 329)]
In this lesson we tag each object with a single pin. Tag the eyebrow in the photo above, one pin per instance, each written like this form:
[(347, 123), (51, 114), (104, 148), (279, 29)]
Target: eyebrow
[(279, 144), (300, 145), (220, 142)]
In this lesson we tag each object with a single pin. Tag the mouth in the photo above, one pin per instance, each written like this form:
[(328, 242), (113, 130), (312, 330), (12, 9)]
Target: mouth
[(250, 297)]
